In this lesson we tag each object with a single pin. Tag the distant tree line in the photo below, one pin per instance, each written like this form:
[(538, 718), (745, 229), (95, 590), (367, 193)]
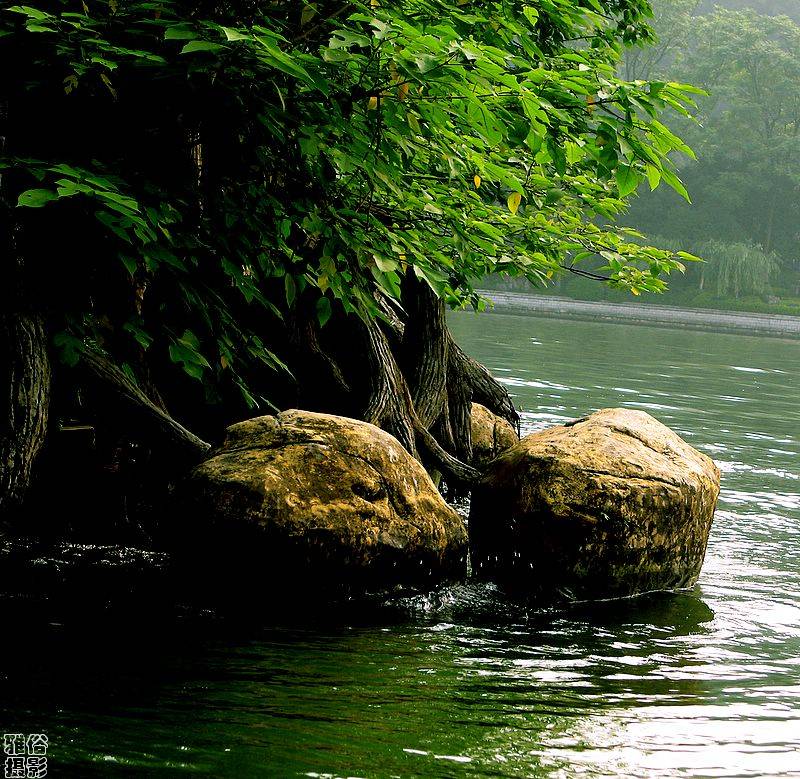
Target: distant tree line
[(745, 183)]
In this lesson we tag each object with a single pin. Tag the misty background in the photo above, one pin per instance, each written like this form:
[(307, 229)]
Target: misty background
[(744, 219)]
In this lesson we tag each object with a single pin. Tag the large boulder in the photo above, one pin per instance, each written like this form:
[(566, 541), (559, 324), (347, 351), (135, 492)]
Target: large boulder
[(491, 435), (611, 505), (321, 503)]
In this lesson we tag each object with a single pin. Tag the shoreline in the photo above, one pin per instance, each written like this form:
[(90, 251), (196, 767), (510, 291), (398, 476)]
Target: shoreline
[(636, 313)]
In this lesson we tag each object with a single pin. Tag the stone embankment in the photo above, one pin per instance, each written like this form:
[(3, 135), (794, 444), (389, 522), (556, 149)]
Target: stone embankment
[(636, 313)]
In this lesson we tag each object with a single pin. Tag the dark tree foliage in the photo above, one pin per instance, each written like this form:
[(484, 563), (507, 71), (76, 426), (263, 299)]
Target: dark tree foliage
[(235, 206)]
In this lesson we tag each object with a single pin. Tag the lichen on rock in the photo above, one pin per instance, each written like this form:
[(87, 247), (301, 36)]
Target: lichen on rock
[(320, 501), (611, 505)]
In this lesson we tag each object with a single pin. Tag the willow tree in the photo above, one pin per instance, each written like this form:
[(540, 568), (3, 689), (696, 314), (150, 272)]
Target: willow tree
[(278, 200)]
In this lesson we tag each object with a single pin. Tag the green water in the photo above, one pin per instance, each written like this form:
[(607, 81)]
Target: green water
[(465, 683)]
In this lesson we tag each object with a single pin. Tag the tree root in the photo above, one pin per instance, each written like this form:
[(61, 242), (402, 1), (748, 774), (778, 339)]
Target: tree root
[(150, 421), (392, 408), (390, 403), (483, 387)]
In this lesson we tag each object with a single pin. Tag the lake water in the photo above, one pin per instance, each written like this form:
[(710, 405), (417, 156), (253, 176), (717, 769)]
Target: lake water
[(703, 683)]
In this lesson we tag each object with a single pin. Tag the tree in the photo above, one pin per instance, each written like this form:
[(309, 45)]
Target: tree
[(765, 7), (740, 269), (278, 199), (751, 66), (673, 23), (745, 184)]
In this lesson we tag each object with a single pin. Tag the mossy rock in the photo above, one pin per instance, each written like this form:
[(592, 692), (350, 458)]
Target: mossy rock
[(320, 502), (612, 505)]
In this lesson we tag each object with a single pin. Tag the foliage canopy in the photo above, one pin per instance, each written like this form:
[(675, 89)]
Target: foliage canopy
[(183, 173)]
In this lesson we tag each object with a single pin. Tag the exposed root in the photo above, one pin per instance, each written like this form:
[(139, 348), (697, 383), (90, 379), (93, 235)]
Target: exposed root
[(144, 416)]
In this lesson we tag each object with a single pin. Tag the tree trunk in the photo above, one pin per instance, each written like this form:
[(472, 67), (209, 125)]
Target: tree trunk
[(424, 349), (25, 384), (24, 359)]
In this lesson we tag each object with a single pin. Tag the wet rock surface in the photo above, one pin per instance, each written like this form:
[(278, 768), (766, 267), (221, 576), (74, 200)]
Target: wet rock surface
[(611, 505), (62, 579)]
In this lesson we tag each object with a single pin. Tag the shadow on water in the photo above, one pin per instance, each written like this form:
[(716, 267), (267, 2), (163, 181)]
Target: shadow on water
[(462, 681), (680, 613)]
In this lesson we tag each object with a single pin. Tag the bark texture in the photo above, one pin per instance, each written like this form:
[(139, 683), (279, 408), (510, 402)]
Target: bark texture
[(24, 359), (392, 407), (25, 384), (421, 385), (424, 350)]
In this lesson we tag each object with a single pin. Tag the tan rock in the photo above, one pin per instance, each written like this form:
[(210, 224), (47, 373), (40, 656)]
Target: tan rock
[(491, 435), (313, 498), (611, 505)]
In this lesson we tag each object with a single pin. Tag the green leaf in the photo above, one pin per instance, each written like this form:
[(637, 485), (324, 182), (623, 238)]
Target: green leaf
[(531, 14), (194, 46), (385, 264), (189, 340), (179, 33), (179, 352), (308, 13), (324, 311), (129, 262), (673, 181), (32, 13), (627, 180), (143, 338), (291, 289), (193, 370), (427, 62), (36, 198), (653, 176), (236, 35), (69, 346)]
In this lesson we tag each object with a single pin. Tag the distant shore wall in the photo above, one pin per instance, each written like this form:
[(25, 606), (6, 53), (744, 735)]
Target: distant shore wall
[(636, 313)]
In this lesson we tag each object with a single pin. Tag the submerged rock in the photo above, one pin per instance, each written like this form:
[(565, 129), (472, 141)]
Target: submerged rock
[(611, 505), (491, 435), (320, 502)]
